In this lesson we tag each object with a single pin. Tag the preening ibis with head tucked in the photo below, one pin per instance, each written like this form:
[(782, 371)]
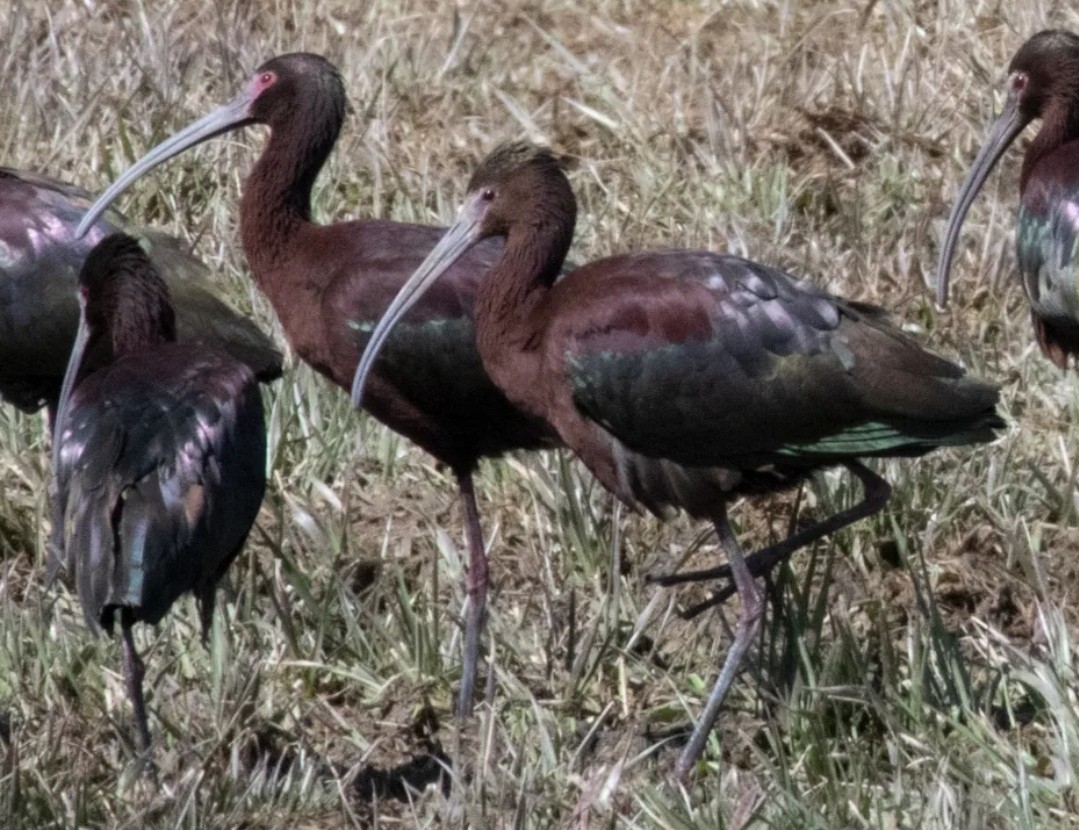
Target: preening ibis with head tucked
[(329, 284), (1043, 82), (159, 457), (685, 378), (40, 258)]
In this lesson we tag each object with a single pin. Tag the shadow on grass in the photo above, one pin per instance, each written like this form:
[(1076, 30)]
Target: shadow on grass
[(404, 780), (431, 765)]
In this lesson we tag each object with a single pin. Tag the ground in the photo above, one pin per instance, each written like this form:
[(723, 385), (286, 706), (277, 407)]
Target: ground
[(914, 671)]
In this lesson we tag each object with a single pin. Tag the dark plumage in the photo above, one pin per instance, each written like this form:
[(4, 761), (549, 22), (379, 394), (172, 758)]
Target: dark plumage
[(682, 378), (1043, 82), (40, 258), (160, 457), (329, 284)]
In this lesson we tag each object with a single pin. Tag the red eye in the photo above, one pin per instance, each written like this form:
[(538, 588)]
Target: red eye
[(1019, 82)]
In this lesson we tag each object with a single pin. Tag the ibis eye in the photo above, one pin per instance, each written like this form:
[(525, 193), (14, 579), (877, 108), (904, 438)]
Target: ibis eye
[(1019, 82), (267, 78), (488, 195)]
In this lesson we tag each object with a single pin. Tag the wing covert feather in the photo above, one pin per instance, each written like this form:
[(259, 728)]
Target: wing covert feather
[(733, 363)]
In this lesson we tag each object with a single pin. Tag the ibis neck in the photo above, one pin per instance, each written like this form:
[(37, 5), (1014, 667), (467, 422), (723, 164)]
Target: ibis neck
[(130, 340), (1060, 125), (276, 202), (142, 320), (279, 239), (514, 286), (513, 292)]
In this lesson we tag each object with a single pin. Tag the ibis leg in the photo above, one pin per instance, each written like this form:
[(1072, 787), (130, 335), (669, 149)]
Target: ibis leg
[(749, 619), (207, 598), (476, 590), (133, 675), (876, 492)]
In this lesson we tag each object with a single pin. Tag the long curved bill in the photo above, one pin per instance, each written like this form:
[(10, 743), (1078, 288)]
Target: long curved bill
[(227, 117), (1008, 125), (460, 236), (82, 336)]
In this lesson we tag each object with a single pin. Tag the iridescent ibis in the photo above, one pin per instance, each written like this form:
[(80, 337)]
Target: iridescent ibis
[(687, 378), (329, 284), (1043, 82), (159, 456), (40, 258)]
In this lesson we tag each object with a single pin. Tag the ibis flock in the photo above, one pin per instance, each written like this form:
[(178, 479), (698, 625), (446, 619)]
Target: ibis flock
[(680, 378)]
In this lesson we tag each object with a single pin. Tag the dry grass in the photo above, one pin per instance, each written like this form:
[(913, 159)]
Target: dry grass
[(918, 671)]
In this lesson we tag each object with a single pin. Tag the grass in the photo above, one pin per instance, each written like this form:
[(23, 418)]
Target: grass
[(914, 672)]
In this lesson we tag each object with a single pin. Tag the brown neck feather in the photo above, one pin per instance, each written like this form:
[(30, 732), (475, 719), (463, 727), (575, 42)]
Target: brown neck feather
[(1055, 131), (276, 201), (134, 314), (514, 290)]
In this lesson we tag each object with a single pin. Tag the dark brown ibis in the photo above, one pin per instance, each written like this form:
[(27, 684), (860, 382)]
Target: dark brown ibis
[(40, 258), (329, 284), (686, 378), (159, 457), (1043, 82)]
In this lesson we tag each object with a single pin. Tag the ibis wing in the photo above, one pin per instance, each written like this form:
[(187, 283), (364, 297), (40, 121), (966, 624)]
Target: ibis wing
[(430, 363), (39, 266), (202, 318), (434, 345), (161, 474), (40, 259), (729, 363)]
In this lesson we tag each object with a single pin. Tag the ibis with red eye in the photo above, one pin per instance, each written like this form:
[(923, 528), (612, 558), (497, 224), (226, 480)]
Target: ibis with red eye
[(1043, 83), (329, 284), (686, 378), (40, 259), (159, 458)]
